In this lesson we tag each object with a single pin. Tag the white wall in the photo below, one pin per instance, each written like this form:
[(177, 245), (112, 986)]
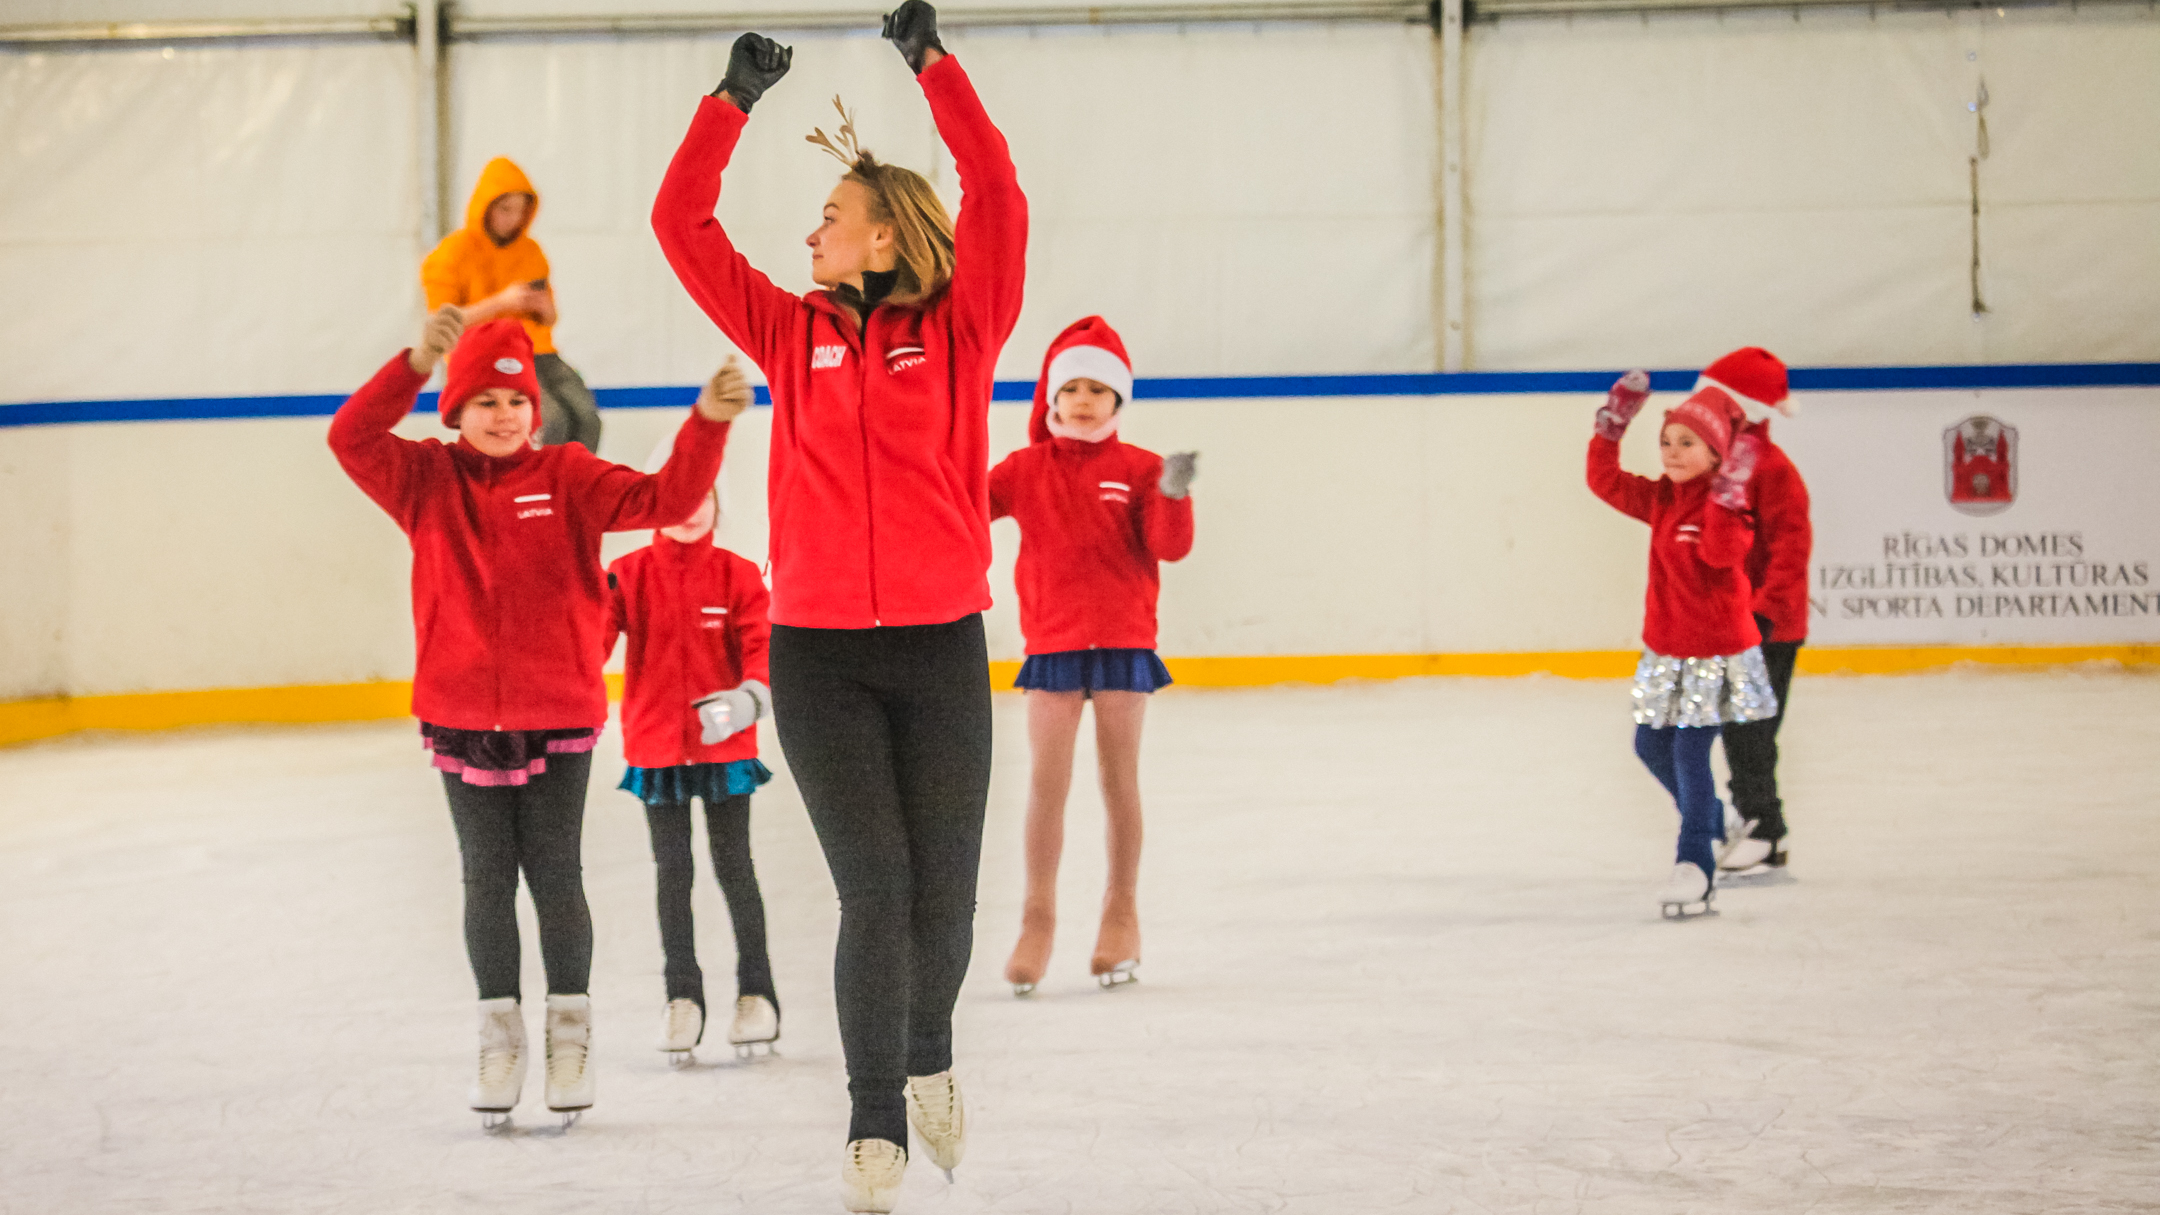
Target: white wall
[(1658, 190)]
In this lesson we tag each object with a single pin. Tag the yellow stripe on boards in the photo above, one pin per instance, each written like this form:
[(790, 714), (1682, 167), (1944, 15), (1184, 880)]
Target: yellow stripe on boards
[(23, 720), (1897, 660), (27, 720)]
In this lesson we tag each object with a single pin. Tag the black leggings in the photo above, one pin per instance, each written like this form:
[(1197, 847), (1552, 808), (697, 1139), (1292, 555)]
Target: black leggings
[(537, 827), (887, 732), (727, 829), (1751, 749)]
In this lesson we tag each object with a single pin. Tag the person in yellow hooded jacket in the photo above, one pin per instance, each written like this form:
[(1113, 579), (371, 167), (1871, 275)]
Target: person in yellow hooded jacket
[(492, 267)]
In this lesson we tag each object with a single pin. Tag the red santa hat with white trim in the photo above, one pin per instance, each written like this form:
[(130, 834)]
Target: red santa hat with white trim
[(1088, 349), (1755, 379)]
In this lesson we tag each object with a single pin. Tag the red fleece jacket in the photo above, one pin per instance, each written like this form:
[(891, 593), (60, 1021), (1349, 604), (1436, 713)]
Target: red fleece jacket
[(1777, 567), (1697, 605), (878, 501), (1093, 527), (695, 614), (507, 591)]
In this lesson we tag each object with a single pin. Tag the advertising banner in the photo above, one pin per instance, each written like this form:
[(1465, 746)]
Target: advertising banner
[(1995, 517)]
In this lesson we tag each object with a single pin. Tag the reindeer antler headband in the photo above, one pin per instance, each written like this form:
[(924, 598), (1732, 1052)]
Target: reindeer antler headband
[(845, 149)]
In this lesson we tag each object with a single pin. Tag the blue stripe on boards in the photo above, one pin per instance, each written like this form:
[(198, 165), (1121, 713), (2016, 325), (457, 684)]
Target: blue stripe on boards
[(1410, 384)]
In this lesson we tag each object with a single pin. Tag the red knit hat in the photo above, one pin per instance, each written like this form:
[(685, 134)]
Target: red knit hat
[(1712, 415), (492, 354), (1089, 348), (1753, 377)]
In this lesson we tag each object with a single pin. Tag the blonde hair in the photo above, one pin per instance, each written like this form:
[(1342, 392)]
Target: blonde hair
[(902, 198)]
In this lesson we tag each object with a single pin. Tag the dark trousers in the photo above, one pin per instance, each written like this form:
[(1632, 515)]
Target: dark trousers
[(568, 414), (1680, 759), (727, 830), (538, 828), (1751, 748), (887, 732)]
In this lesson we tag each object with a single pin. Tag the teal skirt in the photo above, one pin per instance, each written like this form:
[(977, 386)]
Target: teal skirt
[(712, 782)]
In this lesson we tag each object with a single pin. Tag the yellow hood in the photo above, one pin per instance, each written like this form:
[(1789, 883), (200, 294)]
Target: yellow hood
[(500, 177)]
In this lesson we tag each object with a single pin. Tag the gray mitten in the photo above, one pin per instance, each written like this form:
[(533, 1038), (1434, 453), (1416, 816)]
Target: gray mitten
[(724, 714), (1178, 470)]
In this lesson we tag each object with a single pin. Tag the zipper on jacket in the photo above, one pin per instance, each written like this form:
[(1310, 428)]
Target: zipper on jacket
[(862, 425), (495, 606)]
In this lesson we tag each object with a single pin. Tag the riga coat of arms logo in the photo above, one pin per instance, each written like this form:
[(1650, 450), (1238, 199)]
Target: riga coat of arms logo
[(1980, 465)]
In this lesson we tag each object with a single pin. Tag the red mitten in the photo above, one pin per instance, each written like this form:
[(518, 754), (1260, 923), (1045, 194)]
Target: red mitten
[(1622, 404), (1729, 487)]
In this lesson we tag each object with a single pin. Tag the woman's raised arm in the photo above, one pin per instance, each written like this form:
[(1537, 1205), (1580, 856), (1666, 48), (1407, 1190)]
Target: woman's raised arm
[(745, 304)]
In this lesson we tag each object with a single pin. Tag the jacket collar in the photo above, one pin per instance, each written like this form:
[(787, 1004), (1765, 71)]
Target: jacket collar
[(1084, 447), (472, 459), (668, 546)]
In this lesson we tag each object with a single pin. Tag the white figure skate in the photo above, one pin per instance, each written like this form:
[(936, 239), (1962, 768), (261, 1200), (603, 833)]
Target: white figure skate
[(939, 1116), (756, 1024), (570, 1081), (1755, 862), (502, 1062), (870, 1176), (1736, 834), (682, 1027), (1687, 893)]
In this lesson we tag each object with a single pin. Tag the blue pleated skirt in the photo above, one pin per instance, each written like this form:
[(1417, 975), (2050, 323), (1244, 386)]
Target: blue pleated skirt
[(1094, 671), (711, 782)]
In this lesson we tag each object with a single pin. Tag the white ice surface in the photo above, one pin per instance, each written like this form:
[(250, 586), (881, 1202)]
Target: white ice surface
[(1402, 955)]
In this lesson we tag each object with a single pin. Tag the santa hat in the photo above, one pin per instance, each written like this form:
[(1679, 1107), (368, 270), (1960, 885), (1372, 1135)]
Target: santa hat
[(658, 460), (492, 354), (1088, 349), (1753, 377), (1712, 415)]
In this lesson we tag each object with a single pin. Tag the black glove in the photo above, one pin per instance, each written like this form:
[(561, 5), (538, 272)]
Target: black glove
[(913, 28), (757, 63)]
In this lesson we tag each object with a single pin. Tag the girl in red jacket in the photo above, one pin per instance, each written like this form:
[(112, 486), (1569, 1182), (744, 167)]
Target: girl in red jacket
[(508, 611), (880, 556), (1702, 666), (1777, 569), (694, 687), (1096, 517)]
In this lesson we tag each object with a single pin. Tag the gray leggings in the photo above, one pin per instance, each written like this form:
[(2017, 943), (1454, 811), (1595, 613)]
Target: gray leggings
[(538, 828), (569, 414)]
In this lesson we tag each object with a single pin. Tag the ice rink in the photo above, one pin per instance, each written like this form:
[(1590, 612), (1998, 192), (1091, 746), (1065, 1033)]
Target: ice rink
[(1402, 954)]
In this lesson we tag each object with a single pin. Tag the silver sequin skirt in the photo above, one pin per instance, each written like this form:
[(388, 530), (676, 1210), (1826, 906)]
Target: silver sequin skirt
[(1695, 692)]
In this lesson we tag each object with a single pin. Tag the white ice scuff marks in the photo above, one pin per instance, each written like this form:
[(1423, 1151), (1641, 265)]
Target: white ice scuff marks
[(1399, 955)]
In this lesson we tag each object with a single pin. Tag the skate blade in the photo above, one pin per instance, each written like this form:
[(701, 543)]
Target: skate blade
[(1757, 875), (1023, 989), (1687, 911), (1119, 975), (948, 1176), (494, 1121), (761, 1049), (679, 1059), (570, 1118)]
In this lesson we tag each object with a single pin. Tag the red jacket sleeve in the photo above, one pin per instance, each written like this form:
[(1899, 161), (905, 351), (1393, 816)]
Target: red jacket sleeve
[(1727, 535), (741, 301), (1001, 486), (1166, 525), (624, 499), (1622, 490), (384, 466), (617, 616), (1783, 526), (990, 237), (753, 627)]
